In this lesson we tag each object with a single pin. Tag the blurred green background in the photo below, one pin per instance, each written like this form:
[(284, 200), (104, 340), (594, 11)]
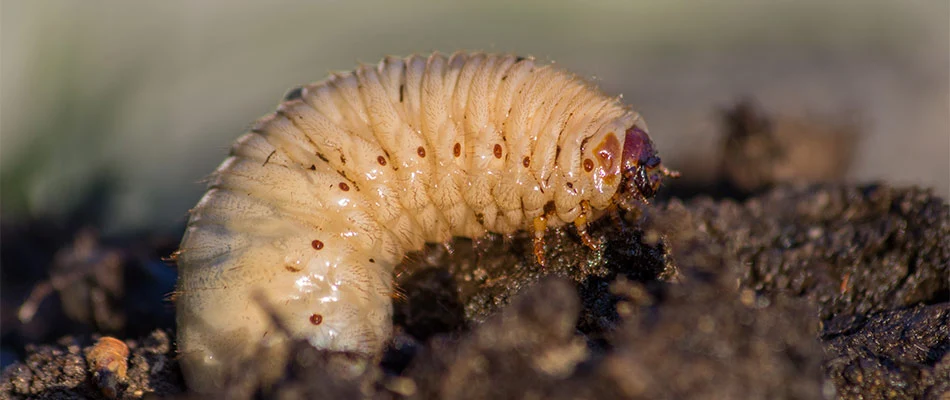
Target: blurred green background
[(140, 100)]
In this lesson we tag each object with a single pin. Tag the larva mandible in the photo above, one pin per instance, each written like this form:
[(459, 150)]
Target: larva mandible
[(320, 200)]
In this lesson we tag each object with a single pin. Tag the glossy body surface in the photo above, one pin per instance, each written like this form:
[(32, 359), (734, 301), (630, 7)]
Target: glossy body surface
[(304, 221)]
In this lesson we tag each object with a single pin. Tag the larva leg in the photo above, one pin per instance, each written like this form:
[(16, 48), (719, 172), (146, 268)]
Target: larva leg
[(540, 225), (581, 224), (615, 215)]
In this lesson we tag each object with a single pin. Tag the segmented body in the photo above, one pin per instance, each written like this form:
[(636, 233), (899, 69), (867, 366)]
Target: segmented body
[(320, 200)]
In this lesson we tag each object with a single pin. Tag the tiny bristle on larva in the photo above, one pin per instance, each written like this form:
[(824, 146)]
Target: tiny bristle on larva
[(318, 202)]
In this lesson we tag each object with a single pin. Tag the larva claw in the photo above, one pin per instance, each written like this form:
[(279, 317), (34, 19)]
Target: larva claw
[(581, 224), (540, 225)]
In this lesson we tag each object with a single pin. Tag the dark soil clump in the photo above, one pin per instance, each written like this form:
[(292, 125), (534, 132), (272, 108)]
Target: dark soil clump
[(802, 292)]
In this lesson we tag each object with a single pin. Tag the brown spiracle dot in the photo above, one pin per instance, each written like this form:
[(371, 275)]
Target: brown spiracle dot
[(316, 319), (344, 187), (421, 151), (457, 150), (588, 165), (570, 185), (317, 245), (497, 150), (526, 162), (381, 160)]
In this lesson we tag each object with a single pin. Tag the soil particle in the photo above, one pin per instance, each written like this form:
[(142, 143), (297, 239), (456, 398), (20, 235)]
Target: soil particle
[(761, 150), (800, 292), (524, 351), (60, 371), (901, 353)]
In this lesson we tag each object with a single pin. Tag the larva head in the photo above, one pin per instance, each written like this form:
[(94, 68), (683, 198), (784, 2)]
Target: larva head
[(642, 170)]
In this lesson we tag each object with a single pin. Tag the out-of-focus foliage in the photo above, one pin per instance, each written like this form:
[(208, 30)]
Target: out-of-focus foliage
[(139, 100)]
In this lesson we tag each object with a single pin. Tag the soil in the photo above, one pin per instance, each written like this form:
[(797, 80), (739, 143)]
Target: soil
[(730, 289)]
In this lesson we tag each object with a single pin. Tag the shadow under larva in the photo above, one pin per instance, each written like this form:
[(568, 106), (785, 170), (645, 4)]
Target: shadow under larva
[(317, 203)]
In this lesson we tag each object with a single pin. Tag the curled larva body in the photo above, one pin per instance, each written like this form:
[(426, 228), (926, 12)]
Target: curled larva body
[(320, 200)]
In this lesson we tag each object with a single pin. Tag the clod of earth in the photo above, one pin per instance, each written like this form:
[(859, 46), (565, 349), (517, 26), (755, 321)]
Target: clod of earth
[(801, 292)]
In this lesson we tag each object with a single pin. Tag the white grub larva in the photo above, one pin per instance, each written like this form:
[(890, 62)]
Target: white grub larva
[(108, 361), (320, 200)]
